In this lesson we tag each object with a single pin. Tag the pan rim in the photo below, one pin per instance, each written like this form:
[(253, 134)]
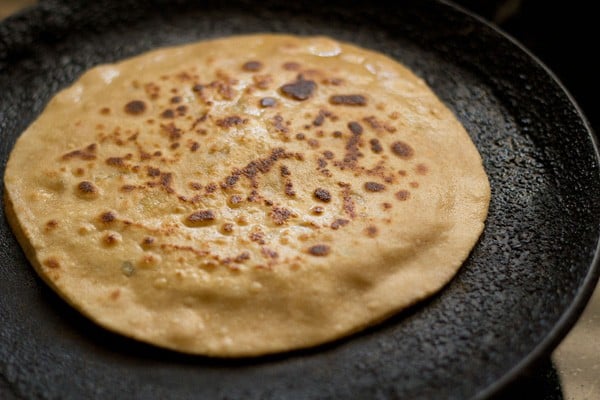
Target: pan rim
[(573, 312)]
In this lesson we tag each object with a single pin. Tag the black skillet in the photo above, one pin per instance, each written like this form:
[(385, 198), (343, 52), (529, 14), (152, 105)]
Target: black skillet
[(517, 295)]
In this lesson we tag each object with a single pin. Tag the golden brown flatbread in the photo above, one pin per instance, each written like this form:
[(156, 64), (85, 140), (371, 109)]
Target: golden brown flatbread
[(246, 195)]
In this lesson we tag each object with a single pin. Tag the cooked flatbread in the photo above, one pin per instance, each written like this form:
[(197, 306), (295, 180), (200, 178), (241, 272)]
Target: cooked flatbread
[(246, 195)]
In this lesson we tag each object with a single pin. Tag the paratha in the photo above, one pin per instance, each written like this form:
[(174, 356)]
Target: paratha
[(246, 195)]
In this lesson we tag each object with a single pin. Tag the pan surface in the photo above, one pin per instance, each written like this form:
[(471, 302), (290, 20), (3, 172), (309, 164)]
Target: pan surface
[(516, 296)]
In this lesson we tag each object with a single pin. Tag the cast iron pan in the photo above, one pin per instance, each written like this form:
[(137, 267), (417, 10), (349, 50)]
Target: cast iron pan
[(521, 289)]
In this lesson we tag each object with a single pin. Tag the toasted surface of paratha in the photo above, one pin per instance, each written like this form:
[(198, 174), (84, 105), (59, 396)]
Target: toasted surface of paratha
[(246, 195)]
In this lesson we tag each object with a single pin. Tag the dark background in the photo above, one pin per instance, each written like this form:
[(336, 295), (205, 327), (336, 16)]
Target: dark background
[(563, 34)]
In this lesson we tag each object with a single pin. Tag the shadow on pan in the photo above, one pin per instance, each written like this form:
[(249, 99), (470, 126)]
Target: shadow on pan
[(521, 289)]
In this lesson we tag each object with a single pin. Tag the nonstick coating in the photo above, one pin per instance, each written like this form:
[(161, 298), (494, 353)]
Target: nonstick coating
[(519, 292)]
